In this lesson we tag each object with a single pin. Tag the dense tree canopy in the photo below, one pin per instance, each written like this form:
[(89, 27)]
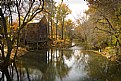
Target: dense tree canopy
[(104, 19)]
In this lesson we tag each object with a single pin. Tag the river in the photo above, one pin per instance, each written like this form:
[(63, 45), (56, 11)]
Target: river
[(71, 64)]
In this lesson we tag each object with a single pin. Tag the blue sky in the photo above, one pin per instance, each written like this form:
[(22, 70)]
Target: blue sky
[(77, 7)]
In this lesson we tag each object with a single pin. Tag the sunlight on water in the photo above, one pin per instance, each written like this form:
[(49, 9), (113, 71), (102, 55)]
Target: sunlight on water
[(76, 48), (73, 43), (77, 67), (75, 63)]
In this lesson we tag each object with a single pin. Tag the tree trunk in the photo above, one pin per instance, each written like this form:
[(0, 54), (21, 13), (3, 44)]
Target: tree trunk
[(8, 40), (62, 28), (56, 27)]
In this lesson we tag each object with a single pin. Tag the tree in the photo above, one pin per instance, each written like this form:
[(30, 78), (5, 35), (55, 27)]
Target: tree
[(85, 30), (106, 17), (20, 9), (63, 11), (69, 26), (55, 17)]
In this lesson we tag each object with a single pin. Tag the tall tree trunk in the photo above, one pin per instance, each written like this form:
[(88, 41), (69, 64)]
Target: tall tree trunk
[(51, 28), (8, 40), (48, 30), (62, 30), (56, 27), (52, 19)]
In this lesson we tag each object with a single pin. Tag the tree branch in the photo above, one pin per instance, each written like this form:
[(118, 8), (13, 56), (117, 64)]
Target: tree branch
[(104, 30)]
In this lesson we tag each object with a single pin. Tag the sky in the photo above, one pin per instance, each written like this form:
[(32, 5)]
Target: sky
[(77, 6)]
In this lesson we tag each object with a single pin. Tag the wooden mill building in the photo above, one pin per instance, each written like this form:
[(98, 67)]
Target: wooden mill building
[(35, 33)]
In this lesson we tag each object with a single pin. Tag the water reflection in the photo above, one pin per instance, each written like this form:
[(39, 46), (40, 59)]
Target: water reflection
[(63, 65)]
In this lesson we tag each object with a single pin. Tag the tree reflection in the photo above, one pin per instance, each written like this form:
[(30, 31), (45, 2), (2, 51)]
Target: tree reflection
[(26, 69), (56, 65), (100, 69), (7, 74), (42, 65), (57, 69)]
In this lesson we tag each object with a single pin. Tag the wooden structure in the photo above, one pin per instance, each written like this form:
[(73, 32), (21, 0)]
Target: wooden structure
[(35, 34)]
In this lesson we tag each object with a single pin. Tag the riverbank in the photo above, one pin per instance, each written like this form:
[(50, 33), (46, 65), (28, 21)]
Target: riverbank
[(21, 51), (60, 43), (112, 53)]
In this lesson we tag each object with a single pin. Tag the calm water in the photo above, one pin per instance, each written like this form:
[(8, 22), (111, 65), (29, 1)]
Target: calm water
[(73, 64)]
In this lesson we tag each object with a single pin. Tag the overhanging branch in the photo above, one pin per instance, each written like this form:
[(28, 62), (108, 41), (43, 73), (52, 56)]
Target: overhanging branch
[(104, 30)]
